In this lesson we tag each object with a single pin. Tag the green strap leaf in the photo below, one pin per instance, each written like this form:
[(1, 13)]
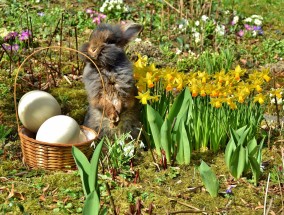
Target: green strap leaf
[(179, 146), (186, 145), (243, 136), (179, 106), (259, 154), (92, 204), (155, 122), (209, 179), (238, 162), (166, 140), (84, 168), (255, 167), (230, 148), (252, 147), (93, 178)]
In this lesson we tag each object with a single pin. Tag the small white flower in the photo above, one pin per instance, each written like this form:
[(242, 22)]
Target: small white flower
[(226, 12), (256, 17), (196, 37), (118, 7), (125, 9), (279, 101), (3, 32), (178, 51), (197, 23), (220, 30), (204, 18), (254, 33), (248, 19), (110, 7), (193, 30), (180, 26), (102, 9), (128, 150), (121, 143), (235, 19), (257, 22), (138, 40), (142, 145)]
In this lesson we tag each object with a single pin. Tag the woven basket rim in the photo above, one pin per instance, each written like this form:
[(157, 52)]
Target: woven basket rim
[(87, 142)]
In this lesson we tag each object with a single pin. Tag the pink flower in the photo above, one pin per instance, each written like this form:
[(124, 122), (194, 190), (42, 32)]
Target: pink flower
[(241, 33), (248, 27), (90, 11)]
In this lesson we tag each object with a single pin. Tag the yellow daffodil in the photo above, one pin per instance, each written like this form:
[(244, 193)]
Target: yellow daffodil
[(238, 72), (259, 98), (265, 75), (144, 97), (231, 103), (202, 92), (141, 62), (194, 87), (276, 92), (204, 76), (220, 76), (216, 102), (150, 79)]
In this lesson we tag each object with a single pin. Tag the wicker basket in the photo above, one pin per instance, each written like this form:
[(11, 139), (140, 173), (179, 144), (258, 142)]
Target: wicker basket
[(50, 156)]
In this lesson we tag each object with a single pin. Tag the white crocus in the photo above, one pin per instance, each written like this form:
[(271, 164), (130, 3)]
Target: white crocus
[(235, 19), (204, 18), (226, 12), (220, 30), (257, 17), (3, 32), (257, 22), (248, 19)]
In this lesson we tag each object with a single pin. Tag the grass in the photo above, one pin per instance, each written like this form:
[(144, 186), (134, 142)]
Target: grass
[(178, 189)]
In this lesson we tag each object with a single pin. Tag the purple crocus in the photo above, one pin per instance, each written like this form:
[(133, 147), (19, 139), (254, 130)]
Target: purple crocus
[(229, 191), (25, 35), (11, 36), (14, 47), (258, 29)]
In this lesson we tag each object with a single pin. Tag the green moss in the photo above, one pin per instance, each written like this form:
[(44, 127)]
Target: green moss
[(73, 100)]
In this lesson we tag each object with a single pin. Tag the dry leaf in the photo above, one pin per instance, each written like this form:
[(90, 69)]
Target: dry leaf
[(45, 188), (3, 179), (42, 198)]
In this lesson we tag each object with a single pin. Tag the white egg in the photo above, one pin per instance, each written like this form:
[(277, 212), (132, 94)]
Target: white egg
[(59, 129), (35, 107), (82, 137)]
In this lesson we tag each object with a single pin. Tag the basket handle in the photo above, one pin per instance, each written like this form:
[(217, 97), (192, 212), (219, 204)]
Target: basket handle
[(45, 48)]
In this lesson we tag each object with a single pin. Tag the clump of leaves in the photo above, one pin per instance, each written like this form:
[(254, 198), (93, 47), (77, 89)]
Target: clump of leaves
[(243, 154)]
